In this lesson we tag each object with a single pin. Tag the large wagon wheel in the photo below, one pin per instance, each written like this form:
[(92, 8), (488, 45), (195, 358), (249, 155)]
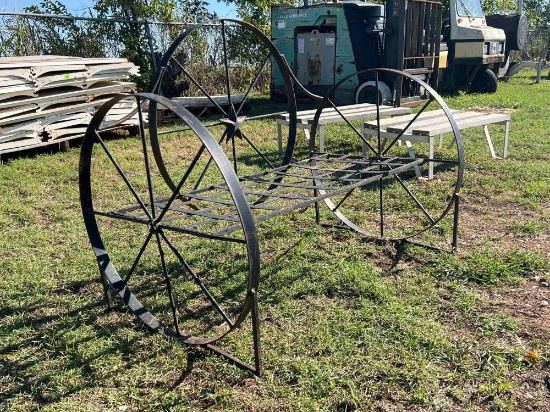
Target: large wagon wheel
[(208, 58), (404, 204), (145, 236)]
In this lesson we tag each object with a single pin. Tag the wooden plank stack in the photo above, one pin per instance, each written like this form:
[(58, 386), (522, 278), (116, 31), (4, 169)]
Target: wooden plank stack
[(49, 99)]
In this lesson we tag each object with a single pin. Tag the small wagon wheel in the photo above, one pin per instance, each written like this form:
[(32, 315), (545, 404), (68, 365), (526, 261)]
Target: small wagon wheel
[(144, 235), (403, 204), (250, 146)]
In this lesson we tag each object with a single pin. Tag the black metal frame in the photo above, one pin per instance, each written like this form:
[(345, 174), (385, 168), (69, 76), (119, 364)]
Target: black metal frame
[(379, 152), (253, 198)]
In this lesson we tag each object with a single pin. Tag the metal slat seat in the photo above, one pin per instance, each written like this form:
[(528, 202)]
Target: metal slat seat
[(217, 217)]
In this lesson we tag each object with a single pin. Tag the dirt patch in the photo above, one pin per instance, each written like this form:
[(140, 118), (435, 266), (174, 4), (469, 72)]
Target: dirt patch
[(528, 304), (505, 225)]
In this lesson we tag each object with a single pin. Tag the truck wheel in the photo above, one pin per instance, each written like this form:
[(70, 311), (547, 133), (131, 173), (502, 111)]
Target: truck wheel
[(484, 82), (366, 93), (515, 27)]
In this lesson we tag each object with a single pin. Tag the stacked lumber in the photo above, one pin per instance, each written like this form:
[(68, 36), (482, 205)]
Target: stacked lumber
[(46, 99)]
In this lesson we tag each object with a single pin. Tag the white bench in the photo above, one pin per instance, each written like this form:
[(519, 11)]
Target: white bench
[(330, 115), (432, 123)]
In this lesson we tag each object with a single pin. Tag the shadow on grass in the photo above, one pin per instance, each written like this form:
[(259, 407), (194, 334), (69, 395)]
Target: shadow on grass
[(58, 348)]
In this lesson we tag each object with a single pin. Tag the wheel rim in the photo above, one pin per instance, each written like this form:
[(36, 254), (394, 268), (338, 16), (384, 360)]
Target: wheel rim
[(235, 131), (143, 238), (401, 206)]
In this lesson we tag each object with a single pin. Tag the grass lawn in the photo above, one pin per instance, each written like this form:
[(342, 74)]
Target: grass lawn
[(347, 324)]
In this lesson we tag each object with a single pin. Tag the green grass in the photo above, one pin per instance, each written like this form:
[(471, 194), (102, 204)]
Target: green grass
[(346, 323)]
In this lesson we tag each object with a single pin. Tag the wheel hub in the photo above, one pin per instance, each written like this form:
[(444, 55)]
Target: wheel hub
[(233, 124)]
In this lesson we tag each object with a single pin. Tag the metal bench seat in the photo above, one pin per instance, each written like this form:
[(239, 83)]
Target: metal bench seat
[(427, 125)]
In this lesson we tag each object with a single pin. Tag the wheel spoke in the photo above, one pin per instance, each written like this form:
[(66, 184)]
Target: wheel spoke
[(117, 215), (146, 159), (196, 83), (122, 174), (136, 261), (208, 164), (177, 189), (265, 159), (234, 151), (226, 65), (196, 278), (256, 78), (168, 284), (204, 235), (414, 198), (335, 208), (405, 129), (357, 132)]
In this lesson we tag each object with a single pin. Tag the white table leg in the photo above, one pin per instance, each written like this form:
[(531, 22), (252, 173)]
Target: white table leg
[(413, 156), (489, 141), (506, 134)]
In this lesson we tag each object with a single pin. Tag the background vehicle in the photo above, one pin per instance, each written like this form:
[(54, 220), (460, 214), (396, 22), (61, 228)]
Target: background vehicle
[(323, 43)]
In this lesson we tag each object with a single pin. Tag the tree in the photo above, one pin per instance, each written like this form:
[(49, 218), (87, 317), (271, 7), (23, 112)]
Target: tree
[(130, 38), (135, 34), (35, 36)]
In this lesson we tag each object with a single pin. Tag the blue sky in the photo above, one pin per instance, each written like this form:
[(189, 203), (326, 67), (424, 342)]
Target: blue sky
[(81, 5)]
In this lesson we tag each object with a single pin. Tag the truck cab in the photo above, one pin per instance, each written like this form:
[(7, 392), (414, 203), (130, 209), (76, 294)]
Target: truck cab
[(475, 49)]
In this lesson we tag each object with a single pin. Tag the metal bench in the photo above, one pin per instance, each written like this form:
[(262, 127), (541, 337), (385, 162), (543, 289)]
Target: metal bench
[(173, 216), (425, 126), (305, 118)]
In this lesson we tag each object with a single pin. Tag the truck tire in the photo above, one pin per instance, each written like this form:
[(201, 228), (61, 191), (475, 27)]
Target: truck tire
[(484, 82), (366, 93)]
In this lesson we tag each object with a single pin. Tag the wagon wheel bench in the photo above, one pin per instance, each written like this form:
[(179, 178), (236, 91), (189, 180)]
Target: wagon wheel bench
[(173, 224)]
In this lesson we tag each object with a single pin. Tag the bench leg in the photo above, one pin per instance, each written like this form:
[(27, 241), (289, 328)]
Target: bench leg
[(320, 135), (489, 142), (506, 134), (431, 156), (413, 156), (280, 138), (307, 136), (364, 145)]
